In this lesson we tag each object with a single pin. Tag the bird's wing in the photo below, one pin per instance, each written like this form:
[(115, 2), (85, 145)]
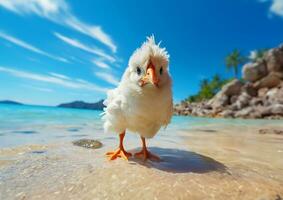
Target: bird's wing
[(114, 120), (169, 113), (110, 97)]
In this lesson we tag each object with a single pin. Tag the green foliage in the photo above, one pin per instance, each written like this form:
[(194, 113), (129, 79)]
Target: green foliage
[(233, 60), (208, 88)]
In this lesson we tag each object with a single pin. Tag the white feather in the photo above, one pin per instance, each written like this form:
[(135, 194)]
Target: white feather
[(143, 110)]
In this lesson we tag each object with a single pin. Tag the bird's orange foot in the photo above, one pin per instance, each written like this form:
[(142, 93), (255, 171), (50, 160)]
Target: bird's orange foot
[(118, 153), (145, 154)]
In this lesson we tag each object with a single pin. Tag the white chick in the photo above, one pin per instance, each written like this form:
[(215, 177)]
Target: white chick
[(142, 103)]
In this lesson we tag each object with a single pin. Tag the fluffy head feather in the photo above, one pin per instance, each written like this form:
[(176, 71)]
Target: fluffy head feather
[(149, 47), (149, 52)]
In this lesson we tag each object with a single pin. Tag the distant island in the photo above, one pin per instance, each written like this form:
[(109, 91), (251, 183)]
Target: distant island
[(83, 105), (75, 104), (10, 102)]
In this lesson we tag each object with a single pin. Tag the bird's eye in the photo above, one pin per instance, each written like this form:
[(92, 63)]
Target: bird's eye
[(161, 70), (138, 70)]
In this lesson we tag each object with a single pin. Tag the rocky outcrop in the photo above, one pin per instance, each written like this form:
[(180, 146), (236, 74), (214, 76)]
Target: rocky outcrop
[(274, 59), (226, 95), (258, 95), (254, 71)]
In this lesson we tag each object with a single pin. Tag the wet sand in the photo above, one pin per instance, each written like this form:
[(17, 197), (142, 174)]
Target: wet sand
[(213, 162)]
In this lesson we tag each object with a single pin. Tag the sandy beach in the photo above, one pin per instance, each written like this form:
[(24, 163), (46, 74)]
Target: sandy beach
[(209, 162)]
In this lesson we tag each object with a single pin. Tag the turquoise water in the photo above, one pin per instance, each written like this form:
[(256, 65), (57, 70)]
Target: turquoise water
[(18, 115), (21, 125)]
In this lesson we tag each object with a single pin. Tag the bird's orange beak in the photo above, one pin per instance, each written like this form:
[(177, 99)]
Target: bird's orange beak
[(150, 75)]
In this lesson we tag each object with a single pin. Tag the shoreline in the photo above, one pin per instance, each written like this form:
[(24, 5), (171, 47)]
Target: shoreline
[(183, 113)]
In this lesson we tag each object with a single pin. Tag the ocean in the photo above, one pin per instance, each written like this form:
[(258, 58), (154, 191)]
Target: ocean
[(25, 124)]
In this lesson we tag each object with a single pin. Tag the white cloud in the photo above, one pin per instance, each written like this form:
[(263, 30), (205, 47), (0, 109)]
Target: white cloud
[(44, 8), (107, 77), (78, 44), (92, 31), (60, 76), (81, 80), (43, 89), (33, 59), (100, 64), (74, 84), (253, 54), (29, 47), (59, 12), (76, 59), (276, 7), (38, 88)]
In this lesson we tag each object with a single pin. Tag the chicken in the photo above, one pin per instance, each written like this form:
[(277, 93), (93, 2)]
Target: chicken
[(142, 103)]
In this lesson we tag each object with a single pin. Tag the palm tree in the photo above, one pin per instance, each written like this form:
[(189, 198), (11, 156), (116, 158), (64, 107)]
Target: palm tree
[(204, 83), (216, 83), (233, 60), (205, 90)]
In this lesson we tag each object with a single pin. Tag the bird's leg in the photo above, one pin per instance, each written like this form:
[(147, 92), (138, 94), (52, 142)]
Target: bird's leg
[(120, 152), (145, 154)]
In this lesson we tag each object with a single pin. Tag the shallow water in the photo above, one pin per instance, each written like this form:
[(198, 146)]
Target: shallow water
[(21, 125), (201, 158)]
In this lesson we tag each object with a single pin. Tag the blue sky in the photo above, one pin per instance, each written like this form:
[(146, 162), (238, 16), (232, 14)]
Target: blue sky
[(59, 51)]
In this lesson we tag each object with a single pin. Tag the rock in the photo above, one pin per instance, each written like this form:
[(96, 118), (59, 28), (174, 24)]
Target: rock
[(201, 112), (270, 81), (232, 88), (207, 106), (255, 114), (227, 114), (233, 99), (256, 102), (274, 109), (249, 89), (274, 60), (233, 107), (275, 96), (184, 108), (248, 112), (278, 74), (184, 104), (254, 71), (221, 99), (243, 100), (262, 92), (271, 131), (188, 109), (88, 143), (244, 113)]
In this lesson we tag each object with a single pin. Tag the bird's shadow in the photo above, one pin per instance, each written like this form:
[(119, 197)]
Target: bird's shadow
[(181, 161)]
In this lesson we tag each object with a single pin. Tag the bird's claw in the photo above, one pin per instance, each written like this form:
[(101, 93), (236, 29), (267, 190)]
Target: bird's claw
[(121, 153), (145, 154)]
